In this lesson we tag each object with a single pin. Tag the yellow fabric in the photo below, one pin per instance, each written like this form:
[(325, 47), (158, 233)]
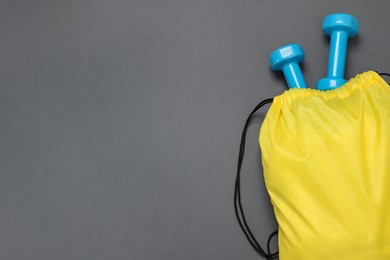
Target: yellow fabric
[(326, 159)]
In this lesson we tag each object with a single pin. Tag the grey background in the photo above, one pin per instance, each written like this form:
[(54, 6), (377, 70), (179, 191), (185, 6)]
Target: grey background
[(120, 120)]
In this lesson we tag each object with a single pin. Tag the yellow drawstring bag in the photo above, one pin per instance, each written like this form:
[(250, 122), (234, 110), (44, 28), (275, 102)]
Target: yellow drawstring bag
[(326, 160)]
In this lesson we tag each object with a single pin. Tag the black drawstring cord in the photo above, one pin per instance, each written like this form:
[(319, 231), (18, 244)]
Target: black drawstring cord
[(269, 241), (383, 74), (237, 194)]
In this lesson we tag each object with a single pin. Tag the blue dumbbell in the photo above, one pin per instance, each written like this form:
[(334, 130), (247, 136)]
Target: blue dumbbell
[(286, 59), (339, 27)]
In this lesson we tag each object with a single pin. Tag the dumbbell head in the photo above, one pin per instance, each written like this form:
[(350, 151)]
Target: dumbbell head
[(286, 54), (340, 22), (286, 59)]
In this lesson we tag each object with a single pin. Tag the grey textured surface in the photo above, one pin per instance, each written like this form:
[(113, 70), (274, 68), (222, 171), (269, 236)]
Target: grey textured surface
[(120, 120)]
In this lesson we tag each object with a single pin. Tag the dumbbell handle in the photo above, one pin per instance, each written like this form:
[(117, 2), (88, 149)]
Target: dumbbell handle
[(337, 54), (293, 75)]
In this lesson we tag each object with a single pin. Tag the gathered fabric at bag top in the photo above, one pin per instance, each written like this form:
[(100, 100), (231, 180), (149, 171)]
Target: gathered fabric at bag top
[(326, 160)]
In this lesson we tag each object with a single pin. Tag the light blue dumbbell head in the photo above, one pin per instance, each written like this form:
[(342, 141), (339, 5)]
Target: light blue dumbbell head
[(340, 22), (286, 59)]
